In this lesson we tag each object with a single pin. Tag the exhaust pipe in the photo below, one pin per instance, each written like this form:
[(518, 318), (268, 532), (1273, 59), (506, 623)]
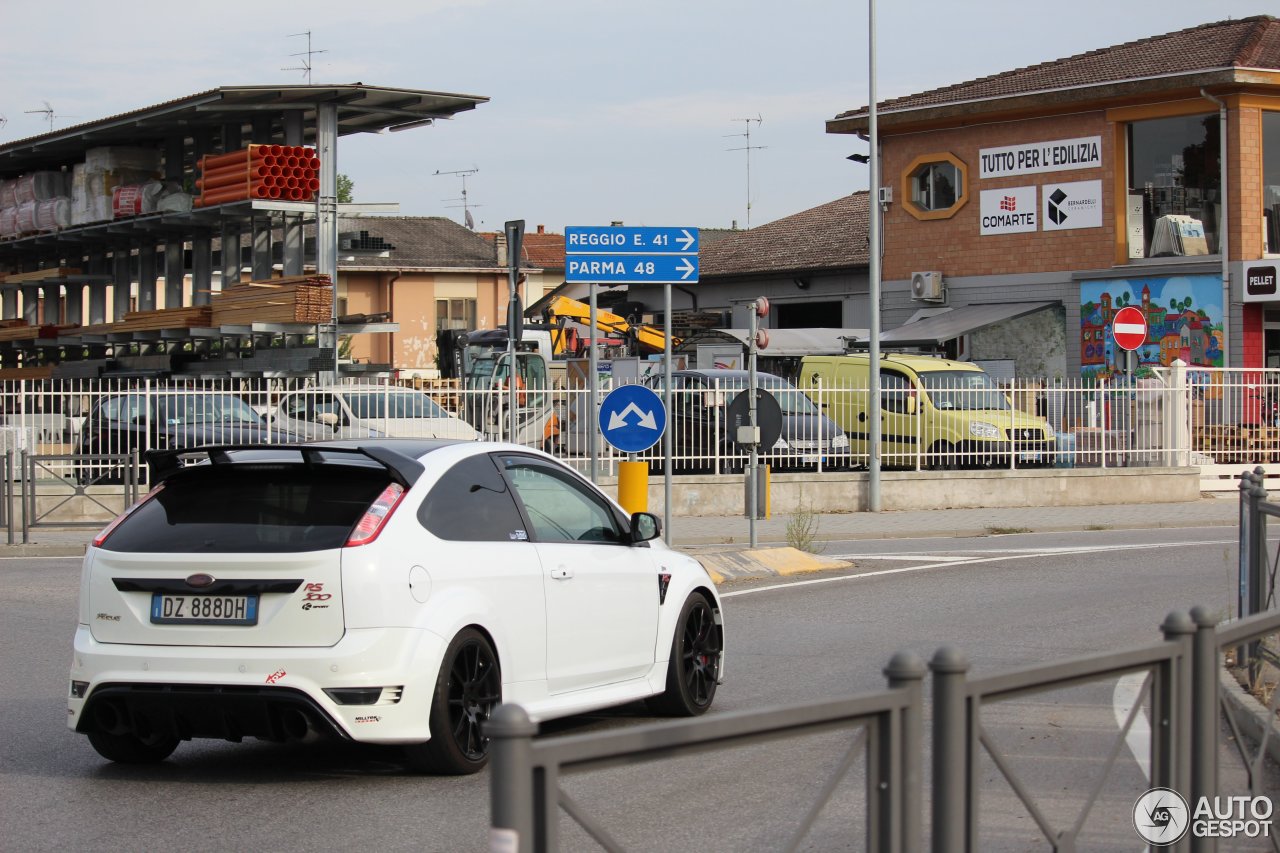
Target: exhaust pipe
[(111, 719), (294, 724)]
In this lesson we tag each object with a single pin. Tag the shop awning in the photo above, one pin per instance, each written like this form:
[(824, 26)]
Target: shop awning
[(935, 330)]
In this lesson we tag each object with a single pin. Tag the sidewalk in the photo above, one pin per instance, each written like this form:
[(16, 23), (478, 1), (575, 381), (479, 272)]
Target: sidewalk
[(698, 533), (1212, 509)]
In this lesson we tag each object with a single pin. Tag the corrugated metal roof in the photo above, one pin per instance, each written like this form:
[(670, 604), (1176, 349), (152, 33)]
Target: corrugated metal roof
[(935, 330), (361, 109), (782, 342)]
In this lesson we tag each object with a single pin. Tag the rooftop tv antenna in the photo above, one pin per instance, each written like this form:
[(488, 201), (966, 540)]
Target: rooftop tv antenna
[(466, 206), (748, 148), (47, 112), (305, 67)]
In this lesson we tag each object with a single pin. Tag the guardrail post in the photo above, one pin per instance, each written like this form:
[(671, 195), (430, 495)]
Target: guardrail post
[(511, 805), (905, 672), (1171, 710), (1204, 717), (952, 798)]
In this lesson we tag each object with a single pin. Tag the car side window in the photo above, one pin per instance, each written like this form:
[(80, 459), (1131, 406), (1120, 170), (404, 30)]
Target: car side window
[(894, 391), (560, 508), (472, 503), (296, 407)]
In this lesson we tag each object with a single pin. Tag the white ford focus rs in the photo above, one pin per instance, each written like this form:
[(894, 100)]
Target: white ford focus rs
[(387, 591)]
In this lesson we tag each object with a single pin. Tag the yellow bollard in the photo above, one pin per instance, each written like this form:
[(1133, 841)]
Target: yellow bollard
[(633, 486)]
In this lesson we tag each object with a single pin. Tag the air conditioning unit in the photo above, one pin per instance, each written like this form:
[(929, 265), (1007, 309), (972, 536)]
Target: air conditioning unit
[(928, 287)]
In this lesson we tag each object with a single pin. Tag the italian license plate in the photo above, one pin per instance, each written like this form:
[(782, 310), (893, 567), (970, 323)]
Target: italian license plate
[(167, 609), (1030, 457)]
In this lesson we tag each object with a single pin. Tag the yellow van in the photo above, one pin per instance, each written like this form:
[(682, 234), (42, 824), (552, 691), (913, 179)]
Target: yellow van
[(934, 413)]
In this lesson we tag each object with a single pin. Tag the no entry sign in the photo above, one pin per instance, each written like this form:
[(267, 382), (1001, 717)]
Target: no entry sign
[(1129, 328)]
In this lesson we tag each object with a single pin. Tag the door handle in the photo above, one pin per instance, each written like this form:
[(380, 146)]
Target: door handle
[(561, 573)]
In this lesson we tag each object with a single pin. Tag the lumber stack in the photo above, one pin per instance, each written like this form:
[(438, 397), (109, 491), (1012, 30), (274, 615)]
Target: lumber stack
[(20, 330), (286, 172), (196, 316), (297, 299)]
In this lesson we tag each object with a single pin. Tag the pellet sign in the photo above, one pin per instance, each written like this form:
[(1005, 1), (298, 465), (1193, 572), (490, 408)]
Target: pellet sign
[(1036, 157)]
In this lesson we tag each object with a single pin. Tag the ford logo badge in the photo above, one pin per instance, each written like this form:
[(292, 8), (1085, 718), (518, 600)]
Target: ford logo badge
[(200, 581)]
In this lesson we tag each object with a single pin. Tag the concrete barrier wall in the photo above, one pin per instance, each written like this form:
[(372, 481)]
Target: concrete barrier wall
[(724, 495), (709, 495)]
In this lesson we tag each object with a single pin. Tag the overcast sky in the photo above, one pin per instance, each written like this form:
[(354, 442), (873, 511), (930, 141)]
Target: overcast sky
[(598, 111)]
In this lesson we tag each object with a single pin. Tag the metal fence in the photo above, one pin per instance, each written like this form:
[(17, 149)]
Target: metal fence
[(1181, 692), (1214, 419)]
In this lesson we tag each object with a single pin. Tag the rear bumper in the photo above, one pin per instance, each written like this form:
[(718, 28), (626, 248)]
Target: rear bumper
[(272, 693)]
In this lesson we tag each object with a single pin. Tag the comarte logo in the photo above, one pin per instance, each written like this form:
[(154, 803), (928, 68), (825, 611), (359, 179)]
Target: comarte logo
[(1160, 816)]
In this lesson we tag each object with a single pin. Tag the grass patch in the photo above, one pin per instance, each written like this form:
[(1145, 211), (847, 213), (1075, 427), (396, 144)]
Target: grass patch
[(1097, 527), (1002, 531)]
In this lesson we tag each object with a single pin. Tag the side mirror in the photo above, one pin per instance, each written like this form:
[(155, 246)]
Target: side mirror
[(329, 419), (644, 526), (909, 405)]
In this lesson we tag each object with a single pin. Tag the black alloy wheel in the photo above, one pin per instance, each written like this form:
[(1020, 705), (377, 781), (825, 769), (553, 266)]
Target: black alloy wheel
[(694, 668), (468, 688)]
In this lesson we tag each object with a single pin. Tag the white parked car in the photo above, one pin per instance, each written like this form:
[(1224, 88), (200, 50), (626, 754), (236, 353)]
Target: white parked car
[(367, 411), (388, 591)]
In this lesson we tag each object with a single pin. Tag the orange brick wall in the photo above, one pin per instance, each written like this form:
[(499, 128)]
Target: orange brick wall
[(955, 245)]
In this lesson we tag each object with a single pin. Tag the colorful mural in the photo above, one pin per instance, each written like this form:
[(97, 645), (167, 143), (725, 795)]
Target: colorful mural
[(1184, 320)]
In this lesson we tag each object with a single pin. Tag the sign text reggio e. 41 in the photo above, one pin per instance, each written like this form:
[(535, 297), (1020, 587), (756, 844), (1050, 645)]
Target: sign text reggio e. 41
[(631, 254)]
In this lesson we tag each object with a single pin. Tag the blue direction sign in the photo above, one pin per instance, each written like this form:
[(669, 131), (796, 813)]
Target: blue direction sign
[(632, 418), (630, 255), (647, 269), (620, 240)]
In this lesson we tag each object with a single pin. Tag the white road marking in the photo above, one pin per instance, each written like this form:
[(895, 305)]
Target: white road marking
[(1128, 692)]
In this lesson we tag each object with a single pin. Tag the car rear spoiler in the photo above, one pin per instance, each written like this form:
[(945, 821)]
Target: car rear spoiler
[(163, 464)]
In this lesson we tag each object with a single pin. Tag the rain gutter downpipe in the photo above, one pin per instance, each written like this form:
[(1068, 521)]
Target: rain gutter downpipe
[(1224, 241)]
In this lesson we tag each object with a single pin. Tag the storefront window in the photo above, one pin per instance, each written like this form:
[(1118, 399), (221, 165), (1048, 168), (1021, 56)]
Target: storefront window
[(1174, 189), (1271, 181)]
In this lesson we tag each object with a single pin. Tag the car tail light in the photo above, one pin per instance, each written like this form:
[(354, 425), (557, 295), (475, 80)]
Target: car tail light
[(371, 523), (107, 531)]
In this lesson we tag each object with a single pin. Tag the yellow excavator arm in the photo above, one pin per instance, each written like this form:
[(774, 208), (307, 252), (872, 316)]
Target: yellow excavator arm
[(563, 308)]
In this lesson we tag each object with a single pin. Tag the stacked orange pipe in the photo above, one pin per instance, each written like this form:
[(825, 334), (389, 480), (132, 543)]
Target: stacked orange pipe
[(286, 172)]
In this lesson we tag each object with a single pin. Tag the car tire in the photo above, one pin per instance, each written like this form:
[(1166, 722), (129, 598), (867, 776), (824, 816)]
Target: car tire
[(131, 749), (942, 457), (694, 666), (468, 688)]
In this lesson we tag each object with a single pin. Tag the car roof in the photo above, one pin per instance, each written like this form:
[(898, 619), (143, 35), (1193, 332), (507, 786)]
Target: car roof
[(720, 373)]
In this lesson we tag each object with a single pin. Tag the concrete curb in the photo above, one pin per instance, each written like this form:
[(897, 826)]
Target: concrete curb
[(1253, 718), (764, 562)]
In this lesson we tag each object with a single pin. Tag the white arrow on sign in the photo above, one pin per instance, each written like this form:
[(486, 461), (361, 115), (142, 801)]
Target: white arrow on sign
[(687, 239), (687, 268), (619, 419)]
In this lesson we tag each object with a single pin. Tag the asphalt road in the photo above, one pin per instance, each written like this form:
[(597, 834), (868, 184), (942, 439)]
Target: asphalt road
[(1006, 601)]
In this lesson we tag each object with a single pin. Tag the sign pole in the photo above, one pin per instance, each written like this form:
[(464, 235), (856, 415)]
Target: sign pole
[(666, 401), (593, 382), (515, 320), (754, 459)]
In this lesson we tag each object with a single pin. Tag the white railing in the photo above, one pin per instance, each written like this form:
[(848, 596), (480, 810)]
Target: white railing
[(1219, 420)]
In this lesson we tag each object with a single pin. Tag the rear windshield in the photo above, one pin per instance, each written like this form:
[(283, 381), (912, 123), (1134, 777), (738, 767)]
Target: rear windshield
[(376, 404), (242, 508)]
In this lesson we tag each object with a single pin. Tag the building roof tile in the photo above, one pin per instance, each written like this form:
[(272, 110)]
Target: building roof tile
[(1243, 43), (830, 236)]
